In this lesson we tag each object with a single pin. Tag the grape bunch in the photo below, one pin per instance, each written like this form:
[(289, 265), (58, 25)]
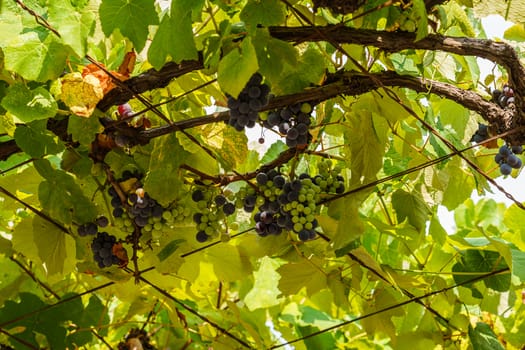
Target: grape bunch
[(212, 209), (281, 203), (244, 110), (102, 248), (507, 158), (481, 134), (505, 97), (293, 122)]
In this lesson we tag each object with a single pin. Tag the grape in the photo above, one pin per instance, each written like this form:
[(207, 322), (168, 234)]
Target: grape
[(228, 208), (197, 196), (505, 169), (261, 178), (517, 149), (220, 200), (505, 151), (261, 140), (102, 221), (513, 160), (201, 237)]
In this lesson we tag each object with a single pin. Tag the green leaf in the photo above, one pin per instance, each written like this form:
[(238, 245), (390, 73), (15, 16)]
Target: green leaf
[(46, 61), (264, 13), (516, 32), (234, 149), (28, 105), (174, 38), (36, 140), (227, 263), (163, 179), (74, 27), (295, 276), (169, 249), (237, 67), (264, 293), (412, 207), (309, 70), (84, 130), (483, 337), (478, 262), (62, 197), (55, 248), (366, 138), (274, 55), (274, 151), (420, 11), (131, 18)]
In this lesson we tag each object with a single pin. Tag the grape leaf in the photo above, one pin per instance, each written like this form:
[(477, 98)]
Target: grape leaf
[(264, 292), (237, 67), (62, 197), (28, 105), (412, 207), (46, 61), (483, 338), (162, 180), (81, 94), (131, 18), (74, 27), (295, 276), (264, 13), (177, 24), (36, 140)]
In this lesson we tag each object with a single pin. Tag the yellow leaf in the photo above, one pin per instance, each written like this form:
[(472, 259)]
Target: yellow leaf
[(81, 94)]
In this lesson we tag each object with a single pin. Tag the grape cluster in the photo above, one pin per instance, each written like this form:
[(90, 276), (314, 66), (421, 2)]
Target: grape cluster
[(504, 98), (102, 248), (244, 110), (507, 158), (293, 122), (290, 204), (481, 134), (91, 228), (213, 208)]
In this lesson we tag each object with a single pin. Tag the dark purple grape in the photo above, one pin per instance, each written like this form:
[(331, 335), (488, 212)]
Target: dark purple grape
[(220, 200), (228, 208), (261, 178), (254, 91), (102, 221), (201, 237), (517, 149), (197, 218), (505, 169), (197, 196)]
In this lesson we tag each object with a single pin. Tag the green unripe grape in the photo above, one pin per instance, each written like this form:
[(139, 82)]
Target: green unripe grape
[(308, 226), (234, 226), (267, 193), (302, 220), (225, 237), (310, 218), (148, 228), (186, 212), (294, 204), (156, 219), (202, 205), (204, 219), (297, 227), (294, 212), (306, 182), (295, 219), (306, 108), (167, 215), (300, 207), (212, 217), (174, 212), (128, 223), (209, 231), (260, 200), (310, 197), (158, 226), (307, 210), (202, 226)]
